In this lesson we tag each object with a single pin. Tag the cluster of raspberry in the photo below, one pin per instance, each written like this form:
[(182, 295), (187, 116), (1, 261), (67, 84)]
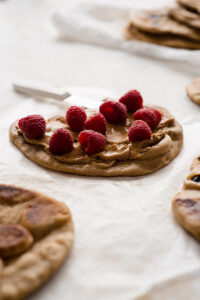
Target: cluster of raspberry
[(92, 130)]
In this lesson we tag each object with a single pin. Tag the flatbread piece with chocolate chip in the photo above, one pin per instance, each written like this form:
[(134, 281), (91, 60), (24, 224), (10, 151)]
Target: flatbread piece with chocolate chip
[(36, 235), (186, 203)]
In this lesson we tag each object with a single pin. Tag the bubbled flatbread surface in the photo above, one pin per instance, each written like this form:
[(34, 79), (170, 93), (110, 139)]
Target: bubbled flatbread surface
[(118, 158), (37, 232), (186, 203)]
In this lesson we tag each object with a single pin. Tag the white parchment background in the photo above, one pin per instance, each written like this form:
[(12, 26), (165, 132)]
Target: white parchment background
[(127, 244)]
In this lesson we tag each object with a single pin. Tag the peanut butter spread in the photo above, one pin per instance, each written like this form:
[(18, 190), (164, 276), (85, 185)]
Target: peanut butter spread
[(119, 156)]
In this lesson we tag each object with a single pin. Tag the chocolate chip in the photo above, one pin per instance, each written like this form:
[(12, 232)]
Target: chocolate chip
[(186, 202), (196, 178), (155, 16)]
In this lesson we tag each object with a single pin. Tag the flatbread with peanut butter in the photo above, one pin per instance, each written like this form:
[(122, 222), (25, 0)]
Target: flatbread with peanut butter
[(186, 203), (119, 157), (36, 235), (185, 16), (190, 4), (157, 27), (193, 90)]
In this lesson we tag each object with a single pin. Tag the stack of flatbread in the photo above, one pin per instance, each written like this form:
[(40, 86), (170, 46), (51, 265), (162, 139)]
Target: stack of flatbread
[(177, 26)]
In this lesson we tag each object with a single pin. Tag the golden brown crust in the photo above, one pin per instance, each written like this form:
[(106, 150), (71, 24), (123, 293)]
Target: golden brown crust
[(44, 214), (14, 195), (193, 90), (14, 240), (124, 159), (36, 260), (186, 203)]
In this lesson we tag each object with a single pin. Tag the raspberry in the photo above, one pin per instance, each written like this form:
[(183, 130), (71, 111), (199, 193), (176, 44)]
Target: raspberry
[(76, 118), (61, 142), (139, 131), (133, 100), (158, 115), (91, 141), (96, 123), (20, 124), (148, 115), (33, 126), (114, 112)]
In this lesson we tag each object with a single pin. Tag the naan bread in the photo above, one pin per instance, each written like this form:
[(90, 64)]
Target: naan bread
[(36, 235), (159, 22), (158, 28), (132, 33), (193, 90), (186, 203)]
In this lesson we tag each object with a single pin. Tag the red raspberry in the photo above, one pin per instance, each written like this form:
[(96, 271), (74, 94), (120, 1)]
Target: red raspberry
[(158, 115), (61, 142), (33, 126), (133, 100), (91, 141), (96, 123), (114, 112), (20, 124), (76, 118), (149, 116), (139, 131)]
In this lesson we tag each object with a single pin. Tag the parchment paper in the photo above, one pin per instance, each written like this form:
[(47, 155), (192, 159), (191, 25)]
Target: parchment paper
[(127, 245)]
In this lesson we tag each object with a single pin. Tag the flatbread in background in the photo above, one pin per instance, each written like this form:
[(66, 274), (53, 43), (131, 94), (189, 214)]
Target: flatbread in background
[(185, 16), (158, 22), (132, 33), (186, 203), (190, 4), (36, 235), (193, 90)]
